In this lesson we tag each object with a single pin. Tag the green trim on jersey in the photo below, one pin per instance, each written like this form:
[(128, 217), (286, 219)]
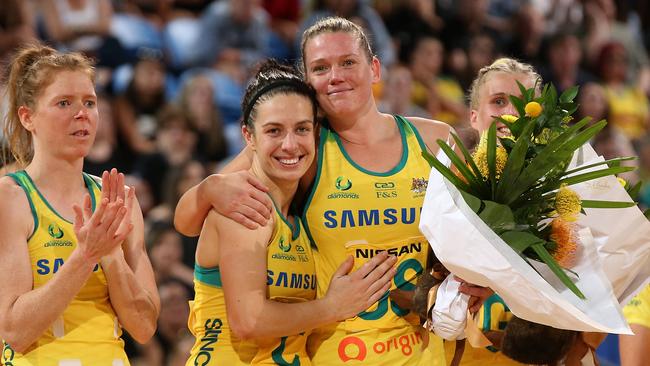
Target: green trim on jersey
[(324, 132), (394, 170), (295, 227), (415, 131), (209, 276), (32, 187), (22, 182)]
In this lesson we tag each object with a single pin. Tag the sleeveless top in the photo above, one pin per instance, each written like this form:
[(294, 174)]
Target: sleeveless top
[(290, 278), (354, 211), (88, 332)]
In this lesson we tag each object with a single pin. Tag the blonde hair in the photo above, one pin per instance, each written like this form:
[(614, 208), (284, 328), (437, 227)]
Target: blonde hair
[(504, 64), (335, 25), (31, 71)]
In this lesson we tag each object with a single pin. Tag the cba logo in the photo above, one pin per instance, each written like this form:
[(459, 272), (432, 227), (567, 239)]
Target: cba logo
[(283, 247), (343, 183), (55, 231), (385, 190)]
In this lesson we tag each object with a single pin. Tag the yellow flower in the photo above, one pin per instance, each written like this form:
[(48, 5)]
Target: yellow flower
[(621, 181), (533, 109), (567, 203), (509, 118), (480, 158), (564, 234)]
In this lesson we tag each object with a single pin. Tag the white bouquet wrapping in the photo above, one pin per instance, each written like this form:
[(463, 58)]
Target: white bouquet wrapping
[(468, 248)]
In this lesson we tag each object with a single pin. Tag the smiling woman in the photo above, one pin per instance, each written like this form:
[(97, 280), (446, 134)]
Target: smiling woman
[(255, 289), (53, 213), (370, 172)]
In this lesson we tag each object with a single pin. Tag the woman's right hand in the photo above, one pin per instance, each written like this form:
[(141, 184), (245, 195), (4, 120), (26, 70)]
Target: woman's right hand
[(241, 197), (99, 233), (352, 293)]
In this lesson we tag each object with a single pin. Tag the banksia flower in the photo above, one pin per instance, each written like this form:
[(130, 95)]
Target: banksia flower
[(564, 234), (481, 160), (567, 203)]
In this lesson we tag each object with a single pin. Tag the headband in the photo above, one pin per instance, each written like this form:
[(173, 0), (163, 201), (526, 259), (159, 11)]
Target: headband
[(296, 83)]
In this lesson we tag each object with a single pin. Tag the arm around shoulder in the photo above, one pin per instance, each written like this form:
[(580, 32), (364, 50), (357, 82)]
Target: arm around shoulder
[(234, 193)]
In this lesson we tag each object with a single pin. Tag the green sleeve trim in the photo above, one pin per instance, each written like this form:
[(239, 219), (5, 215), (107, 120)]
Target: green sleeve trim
[(20, 179), (415, 131), (94, 188), (209, 276), (295, 227), (40, 195)]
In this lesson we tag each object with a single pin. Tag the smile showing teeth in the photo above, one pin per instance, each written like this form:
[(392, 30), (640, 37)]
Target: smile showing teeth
[(289, 161), (80, 133)]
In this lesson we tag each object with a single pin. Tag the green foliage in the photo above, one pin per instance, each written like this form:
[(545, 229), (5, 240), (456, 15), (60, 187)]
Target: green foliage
[(518, 202)]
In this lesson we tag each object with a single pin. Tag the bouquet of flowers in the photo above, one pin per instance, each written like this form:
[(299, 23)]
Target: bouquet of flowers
[(519, 187)]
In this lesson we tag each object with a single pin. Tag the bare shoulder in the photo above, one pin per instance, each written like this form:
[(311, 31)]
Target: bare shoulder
[(431, 131), (15, 211), (12, 196), (233, 232)]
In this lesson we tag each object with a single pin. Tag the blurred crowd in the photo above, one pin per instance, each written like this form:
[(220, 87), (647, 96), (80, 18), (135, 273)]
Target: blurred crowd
[(171, 75)]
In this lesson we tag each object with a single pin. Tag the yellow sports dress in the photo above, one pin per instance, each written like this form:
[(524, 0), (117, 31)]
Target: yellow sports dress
[(637, 311), (493, 316), (290, 278), (354, 211), (88, 332)]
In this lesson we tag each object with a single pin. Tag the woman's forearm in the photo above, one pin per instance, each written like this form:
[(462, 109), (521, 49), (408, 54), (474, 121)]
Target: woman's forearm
[(21, 326), (193, 207), (134, 298), (271, 319)]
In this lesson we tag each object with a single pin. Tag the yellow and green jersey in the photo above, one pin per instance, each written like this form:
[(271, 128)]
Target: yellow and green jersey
[(637, 311), (290, 278), (88, 332), (354, 211), (493, 316)]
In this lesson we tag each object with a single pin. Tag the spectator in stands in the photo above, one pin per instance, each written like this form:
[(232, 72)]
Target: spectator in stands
[(83, 26), (441, 96), (235, 36), (196, 101), (284, 18), (16, 26), (172, 324), (396, 94), (628, 105), (175, 144), (136, 107), (610, 142), (166, 252), (366, 17), (564, 62), (104, 154)]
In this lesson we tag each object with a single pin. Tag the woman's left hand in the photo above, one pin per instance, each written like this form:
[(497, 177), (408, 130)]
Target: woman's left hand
[(113, 189)]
